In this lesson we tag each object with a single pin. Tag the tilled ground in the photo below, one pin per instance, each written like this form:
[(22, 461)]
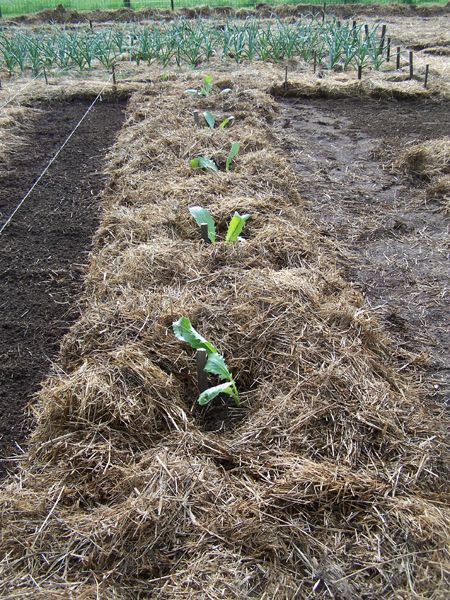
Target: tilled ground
[(44, 249), (395, 243)]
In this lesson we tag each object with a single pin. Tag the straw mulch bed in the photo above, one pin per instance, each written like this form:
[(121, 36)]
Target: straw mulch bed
[(330, 477)]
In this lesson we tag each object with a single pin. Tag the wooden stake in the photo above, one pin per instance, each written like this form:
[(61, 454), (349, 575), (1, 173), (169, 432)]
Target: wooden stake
[(114, 75), (359, 71), (324, 11), (383, 35), (388, 50), (366, 30), (285, 78), (411, 65), (397, 66), (172, 5), (90, 25), (202, 378), (45, 77), (197, 118), (204, 231), (425, 83), (314, 61)]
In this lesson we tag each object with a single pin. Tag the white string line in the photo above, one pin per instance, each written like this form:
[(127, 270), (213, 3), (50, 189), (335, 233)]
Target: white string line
[(2, 106), (53, 159)]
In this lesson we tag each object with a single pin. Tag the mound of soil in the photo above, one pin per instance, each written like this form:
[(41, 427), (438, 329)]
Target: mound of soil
[(44, 249)]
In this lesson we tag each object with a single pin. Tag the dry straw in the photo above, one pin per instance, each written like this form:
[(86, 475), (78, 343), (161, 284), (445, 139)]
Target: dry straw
[(330, 477), (429, 161)]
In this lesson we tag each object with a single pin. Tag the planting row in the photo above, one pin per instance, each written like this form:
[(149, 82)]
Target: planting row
[(331, 43)]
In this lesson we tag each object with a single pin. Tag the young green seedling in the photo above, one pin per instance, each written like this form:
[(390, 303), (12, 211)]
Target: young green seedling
[(206, 88), (215, 364), (235, 147), (237, 223), (236, 226), (201, 215), (227, 122), (209, 118), (203, 162)]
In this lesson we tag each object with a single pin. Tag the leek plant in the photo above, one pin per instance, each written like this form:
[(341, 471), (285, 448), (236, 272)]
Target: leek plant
[(182, 41)]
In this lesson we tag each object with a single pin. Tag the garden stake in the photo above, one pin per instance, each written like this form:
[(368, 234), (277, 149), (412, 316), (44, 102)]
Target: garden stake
[(45, 77), (204, 232), (388, 50), (366, 30), (411, 65), (359, 71), (114, 75), (398, 58), (196, 118), (285, 78), (202, 378), (383, 34), (425, 83), (314, 61), (172, 5), (90, 25)]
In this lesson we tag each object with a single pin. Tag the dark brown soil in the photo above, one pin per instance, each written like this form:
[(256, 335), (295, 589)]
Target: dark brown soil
[(44, 249), (394, 245)]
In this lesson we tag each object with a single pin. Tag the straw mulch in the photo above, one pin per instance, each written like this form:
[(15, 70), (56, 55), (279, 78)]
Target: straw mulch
[(328, 481), (430, 161)]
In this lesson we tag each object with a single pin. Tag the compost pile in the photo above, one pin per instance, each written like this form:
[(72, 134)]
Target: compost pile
[(329, 477)]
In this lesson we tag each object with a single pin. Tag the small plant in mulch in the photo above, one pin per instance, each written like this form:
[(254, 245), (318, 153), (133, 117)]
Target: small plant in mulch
[(203, 162), (215, 363), (205, 89), (211, 120), (202, 216)]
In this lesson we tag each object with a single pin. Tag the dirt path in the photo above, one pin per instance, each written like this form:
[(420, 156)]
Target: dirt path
[(43, 251), (395, 244)]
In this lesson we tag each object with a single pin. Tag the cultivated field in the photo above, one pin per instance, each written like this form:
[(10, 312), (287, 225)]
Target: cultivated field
[(225, 307)]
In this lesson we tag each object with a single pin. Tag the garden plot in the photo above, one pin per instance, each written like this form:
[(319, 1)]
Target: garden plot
[(329, 477), (382, 196), (44, 248)]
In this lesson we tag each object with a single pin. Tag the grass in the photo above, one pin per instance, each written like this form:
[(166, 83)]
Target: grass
[(11, 8)]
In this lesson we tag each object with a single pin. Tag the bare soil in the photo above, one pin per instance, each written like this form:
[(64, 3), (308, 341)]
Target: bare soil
[(393, 244), (44, 249)]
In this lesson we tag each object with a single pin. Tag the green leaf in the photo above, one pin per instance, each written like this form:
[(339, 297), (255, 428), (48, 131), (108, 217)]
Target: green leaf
[(233, 152), (236, 226), (184, 331), (207, 85), (202, 162), (211, 393), (209, 118), (226, 121), (216, 365), (202, 215)]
